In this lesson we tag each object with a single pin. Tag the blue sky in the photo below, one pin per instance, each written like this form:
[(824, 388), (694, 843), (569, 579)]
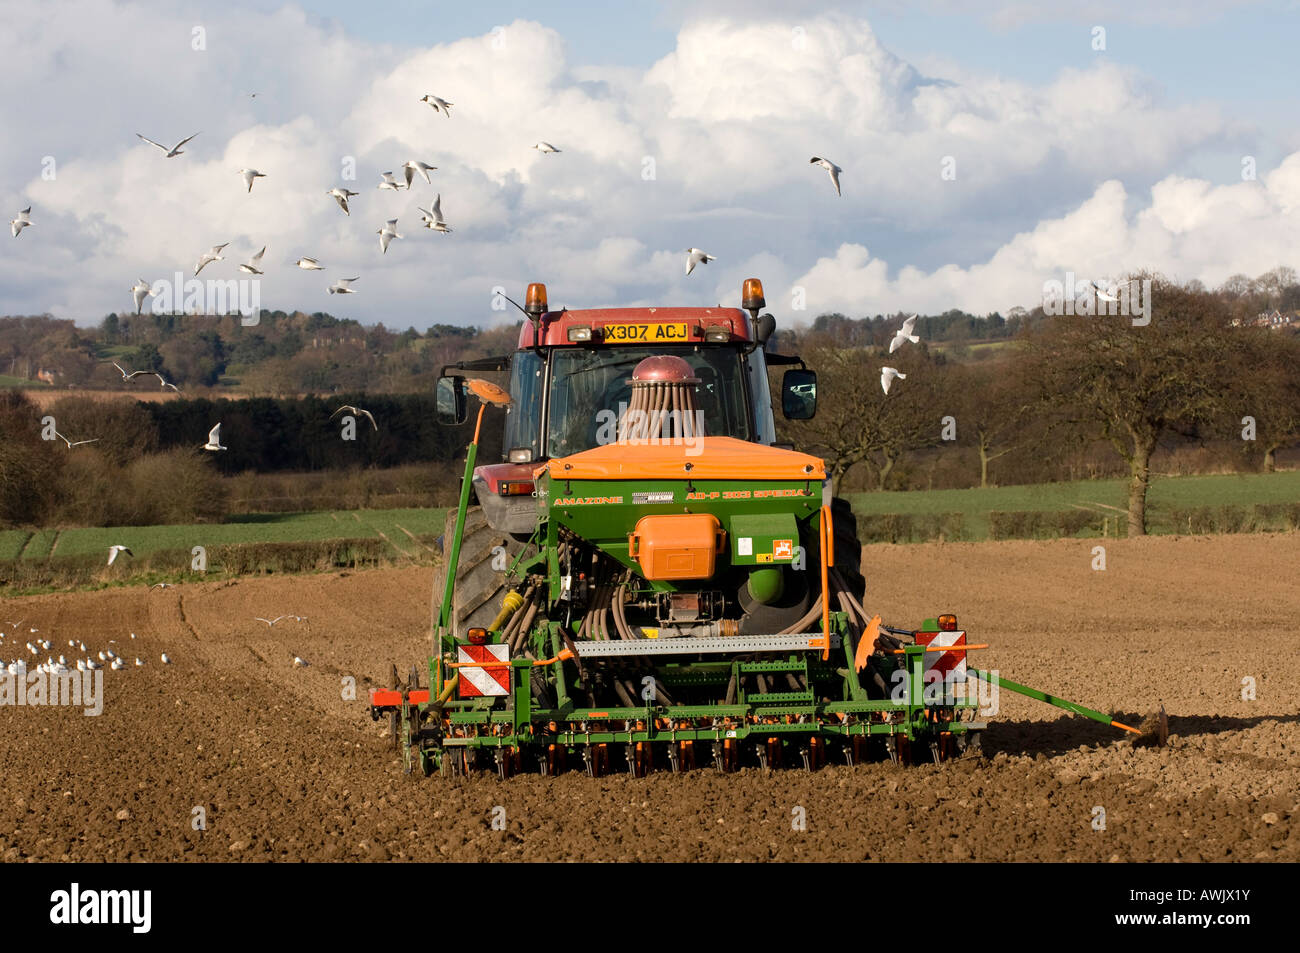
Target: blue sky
[(1064, 158)]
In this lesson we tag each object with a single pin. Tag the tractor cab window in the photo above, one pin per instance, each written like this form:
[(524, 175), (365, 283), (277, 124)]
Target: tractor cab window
[(523, 427), (591, 387)]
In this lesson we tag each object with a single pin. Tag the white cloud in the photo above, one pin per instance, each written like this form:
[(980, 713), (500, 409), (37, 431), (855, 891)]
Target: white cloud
[(729, 119)]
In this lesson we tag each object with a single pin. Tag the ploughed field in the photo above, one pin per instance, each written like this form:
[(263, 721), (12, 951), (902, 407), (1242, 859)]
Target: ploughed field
[(283, 767)]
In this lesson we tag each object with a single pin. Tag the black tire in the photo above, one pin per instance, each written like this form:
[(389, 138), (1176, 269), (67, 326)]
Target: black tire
[(480, 587), (848, 547)]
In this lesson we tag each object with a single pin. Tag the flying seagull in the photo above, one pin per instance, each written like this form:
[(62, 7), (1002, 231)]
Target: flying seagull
[(140, 291), (697, 256), (887, 375), (341, 196), (356, 412), (168, 153), (250, 267), (389, 182), (73, 443), (831, 168), (164, 383), (904, 334), (1105, 292), (340, 287), (209, 257), (433, 217), (22, 221), (114, 550), (414, 166), (269, 622), (251, 174), (133, 374), (309, 264), (387, 234), (437, 103), (545, 147), (214, 439)]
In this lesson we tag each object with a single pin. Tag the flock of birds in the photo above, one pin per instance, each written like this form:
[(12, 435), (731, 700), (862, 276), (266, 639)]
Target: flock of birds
[(85, 660)]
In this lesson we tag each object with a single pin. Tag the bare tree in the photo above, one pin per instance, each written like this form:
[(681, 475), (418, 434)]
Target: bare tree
[(1139, 383)]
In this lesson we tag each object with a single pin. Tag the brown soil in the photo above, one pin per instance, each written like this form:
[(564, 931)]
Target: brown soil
[(286, 769)]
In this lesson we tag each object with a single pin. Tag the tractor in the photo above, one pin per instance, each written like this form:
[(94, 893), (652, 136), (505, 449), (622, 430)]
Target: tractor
[(649, 580)]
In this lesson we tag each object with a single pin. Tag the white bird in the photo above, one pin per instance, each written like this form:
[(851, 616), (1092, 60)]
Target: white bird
[(102, 657), (22, 221), (387, 234), (341, 196), (831, 168), (74, 443), (110, 653), (214, 439), (299, 662), (356, 412), (165, 659), (1105, 292), (545, 147), (904, 334), (117, 665), (270, 622), (113, 552), (63, 660), (437, 103), (389, 182), (81, 665), (140, 290), (414, 166), (251, 174), (133, 634), (433, 216), (93, 665), (250, 267), (164, 383), (697, 256), (133, 374), (309, 264), (156, 585), (31, 648), (209, 257), (340, 287), (887, 375), (44, 643), (168, 153), (138, 663)]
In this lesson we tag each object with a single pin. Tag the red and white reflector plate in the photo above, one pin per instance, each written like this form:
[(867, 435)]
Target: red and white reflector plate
[(951, 666), (483, 682)]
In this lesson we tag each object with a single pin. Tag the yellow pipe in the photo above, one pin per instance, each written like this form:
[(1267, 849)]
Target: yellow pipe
[(509, 606)]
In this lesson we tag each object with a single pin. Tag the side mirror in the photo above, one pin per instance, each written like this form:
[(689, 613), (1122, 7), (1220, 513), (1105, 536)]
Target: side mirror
[(452, 411), (764, 326), (799, 394)]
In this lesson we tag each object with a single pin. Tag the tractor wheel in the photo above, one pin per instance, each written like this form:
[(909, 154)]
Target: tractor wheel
[(848, 547), (480, 584)]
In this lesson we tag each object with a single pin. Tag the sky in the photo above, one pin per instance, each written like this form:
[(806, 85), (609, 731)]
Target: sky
[(986, 149)]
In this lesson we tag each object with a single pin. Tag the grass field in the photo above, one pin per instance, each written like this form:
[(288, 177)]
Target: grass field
[(395, 526), (1166, 495)]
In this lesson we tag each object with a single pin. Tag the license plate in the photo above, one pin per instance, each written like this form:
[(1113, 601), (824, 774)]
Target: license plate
[(648, 333)]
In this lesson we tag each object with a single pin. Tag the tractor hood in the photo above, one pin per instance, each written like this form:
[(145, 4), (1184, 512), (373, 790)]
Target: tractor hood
[(705, 458)]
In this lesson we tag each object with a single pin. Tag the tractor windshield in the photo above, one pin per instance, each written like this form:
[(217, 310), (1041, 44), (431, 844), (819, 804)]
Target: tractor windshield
[(591, 386)]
